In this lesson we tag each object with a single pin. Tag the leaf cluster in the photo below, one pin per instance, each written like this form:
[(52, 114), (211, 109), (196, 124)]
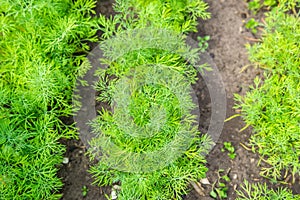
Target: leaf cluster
[(261, 192), (230, 148), (219, 187), (272, 105), (179, 16), (37, 42), (256, 5), (252, 24)]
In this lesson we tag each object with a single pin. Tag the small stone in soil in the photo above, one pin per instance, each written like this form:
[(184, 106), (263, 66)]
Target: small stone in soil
[(65, 160), (114, 194), (235, 186), (205, 181), (234, 176), (117, 187)]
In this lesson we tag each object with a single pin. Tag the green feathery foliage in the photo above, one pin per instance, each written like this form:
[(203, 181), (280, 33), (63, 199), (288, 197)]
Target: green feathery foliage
[(256, 5), (38, 39), (271, 107), (261, 192), (149, 142), (177, 15)]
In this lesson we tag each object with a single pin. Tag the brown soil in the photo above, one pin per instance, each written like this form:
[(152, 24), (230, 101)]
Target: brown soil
[(227, 48)]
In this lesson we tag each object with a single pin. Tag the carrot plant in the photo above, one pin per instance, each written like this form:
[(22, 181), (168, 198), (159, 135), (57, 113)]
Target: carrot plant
[(271, 107), (261, 192), (256, 5), (38, 41), (148, 141), (179, 16)]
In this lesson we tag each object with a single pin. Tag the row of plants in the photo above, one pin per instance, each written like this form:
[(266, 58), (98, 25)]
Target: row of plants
[(271, 107), (38, 41), (257, 5), (149, 141)]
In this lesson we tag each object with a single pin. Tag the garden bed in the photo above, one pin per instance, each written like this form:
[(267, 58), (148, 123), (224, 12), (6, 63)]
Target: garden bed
[(138, 115), (227, 48)]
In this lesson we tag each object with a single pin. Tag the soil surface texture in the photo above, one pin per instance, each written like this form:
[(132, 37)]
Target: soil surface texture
[(227, 48)]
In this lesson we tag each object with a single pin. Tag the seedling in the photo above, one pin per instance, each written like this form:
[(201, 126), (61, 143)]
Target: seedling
[(254, 6), (231, 151), (219, 188), (260, 191), (252, 25), (203, 42), (84, 191), (270, 3)]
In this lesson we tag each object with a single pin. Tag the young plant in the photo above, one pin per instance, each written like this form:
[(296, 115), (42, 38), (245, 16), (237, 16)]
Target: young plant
[(84, 191), (261, 192), (219, 188), (231, 151), (270, 3), (252, 24), (256, 5), (179, 16), (203, 42)]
